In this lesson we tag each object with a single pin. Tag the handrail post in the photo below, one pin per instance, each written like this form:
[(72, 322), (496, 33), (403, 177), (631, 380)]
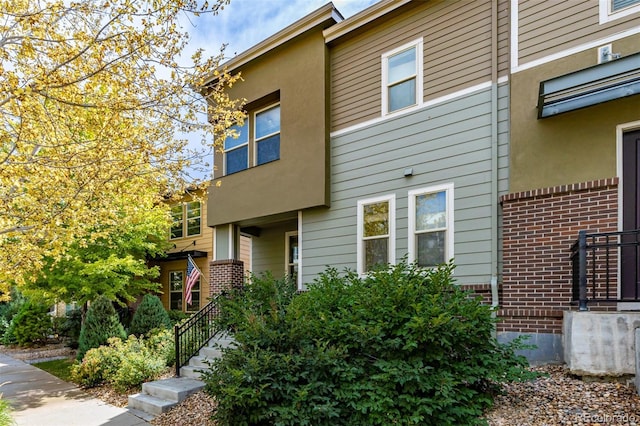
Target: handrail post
[(582, 265), (177, 348)]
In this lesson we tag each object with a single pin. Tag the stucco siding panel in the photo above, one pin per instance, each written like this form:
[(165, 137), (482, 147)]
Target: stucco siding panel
[(457, 45), (448, 142)]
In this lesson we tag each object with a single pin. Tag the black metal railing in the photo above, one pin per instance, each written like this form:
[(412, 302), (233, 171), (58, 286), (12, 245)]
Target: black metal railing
[(194, 333), (601, 261)]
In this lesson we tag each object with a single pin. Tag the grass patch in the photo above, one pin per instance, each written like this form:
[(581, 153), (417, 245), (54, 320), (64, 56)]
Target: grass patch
[(60, 368), (5, 413)]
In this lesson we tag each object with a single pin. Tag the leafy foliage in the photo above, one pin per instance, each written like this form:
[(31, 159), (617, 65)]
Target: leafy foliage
[(125, 364), (100, 324), (8, 309), (5, 413), (93, 100), (71, 327), (176, 316), (399, 346), (150, 315), (32, 324)]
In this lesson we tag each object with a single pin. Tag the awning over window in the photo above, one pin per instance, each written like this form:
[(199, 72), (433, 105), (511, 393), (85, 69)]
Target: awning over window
[(601, 83), (181, 255)]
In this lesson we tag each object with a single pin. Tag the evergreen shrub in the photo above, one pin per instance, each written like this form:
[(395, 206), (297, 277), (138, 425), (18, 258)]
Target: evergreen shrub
[(150, 315), (399, 346), (32, 324), (100, 324)]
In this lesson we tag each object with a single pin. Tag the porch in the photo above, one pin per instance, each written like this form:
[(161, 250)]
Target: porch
[(600, 338)]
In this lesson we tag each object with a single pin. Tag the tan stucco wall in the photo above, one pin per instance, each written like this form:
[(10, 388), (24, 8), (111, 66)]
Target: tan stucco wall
[(298, 180), (573, 147)]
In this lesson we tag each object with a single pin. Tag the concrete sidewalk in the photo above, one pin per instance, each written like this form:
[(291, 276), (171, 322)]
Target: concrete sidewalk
[(40, 399)]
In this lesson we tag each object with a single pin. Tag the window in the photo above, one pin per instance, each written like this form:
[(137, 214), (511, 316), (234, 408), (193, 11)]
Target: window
[(614, 9), (267, 135), (431, 225), (402, 77), (291, 253), (177, 227), (175, 290), (236, 150), (176, 293), (187, 219), (376, 232)]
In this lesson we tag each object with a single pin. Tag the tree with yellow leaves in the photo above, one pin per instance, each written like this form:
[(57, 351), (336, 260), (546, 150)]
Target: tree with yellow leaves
[(92, 96)]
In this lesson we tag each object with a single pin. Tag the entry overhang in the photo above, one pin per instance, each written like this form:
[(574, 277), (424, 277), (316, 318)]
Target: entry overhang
[(591, 86)]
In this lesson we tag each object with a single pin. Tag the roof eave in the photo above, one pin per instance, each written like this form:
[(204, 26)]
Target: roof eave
[(315, 18), (362, 18)]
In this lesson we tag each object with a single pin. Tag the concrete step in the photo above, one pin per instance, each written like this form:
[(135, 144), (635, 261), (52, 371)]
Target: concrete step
[(174, 389), (200, 362), (150, 404), (209, 352), (191, 371)]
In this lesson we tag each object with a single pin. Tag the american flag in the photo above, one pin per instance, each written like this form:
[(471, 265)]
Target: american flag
[(193, 273)]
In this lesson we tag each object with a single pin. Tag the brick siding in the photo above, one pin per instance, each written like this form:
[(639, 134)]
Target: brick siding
[(539, 228), (224, 274)]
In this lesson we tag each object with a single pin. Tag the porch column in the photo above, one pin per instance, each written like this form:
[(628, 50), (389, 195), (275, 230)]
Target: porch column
[(224, 275)]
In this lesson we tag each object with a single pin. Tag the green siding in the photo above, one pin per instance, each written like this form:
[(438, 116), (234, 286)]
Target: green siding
[(448, 142), (268, 249)]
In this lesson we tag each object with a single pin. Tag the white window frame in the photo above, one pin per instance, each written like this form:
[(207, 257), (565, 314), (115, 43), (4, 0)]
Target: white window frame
[(607, 15), (449, 230), (244, 144), (287, 247), (256, 141), (181, 291), (185, 219), (391, 199), (418, 45)]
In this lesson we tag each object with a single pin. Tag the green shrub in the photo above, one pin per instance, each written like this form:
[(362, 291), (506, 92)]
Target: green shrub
[(150, 315), (71, 327), (32, 324), (400, 346), (176, 316), (5, 413), (7, 311), (125, 364), (100, 324)]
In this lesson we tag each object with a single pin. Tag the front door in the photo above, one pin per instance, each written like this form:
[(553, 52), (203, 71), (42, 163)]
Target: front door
[(630, 259)]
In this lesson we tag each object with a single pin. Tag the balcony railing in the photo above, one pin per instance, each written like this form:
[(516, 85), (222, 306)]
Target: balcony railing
[(602, 261)]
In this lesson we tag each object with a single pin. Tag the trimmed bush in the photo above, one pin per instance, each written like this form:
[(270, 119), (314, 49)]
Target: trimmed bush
[(100, 324), (149, 316), (32, 324), (8, 310), (400, 346), (71, 327), (176, 316), (125, 364)]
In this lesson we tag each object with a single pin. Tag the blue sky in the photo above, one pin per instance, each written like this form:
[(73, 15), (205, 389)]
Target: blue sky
[(244, 23)]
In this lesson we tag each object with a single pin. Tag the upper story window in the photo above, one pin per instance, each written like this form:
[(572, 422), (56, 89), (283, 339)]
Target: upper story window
[(402, 77), (187, 218), (614, 9), (376, 232), (267, 134), (431, 225), (236, 150), (257, 141)]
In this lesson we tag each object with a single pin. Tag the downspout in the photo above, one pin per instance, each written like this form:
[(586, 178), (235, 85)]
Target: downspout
[(494, 157)]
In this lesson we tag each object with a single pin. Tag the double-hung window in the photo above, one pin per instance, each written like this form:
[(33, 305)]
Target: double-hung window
[(176, 293), (376, 232), (402, 77), (236, 149), (187, 219), (614, 9), (267, 134), (431, 225)]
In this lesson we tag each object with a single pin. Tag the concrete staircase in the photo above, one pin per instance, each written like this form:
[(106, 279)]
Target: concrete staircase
[(161, 395)]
